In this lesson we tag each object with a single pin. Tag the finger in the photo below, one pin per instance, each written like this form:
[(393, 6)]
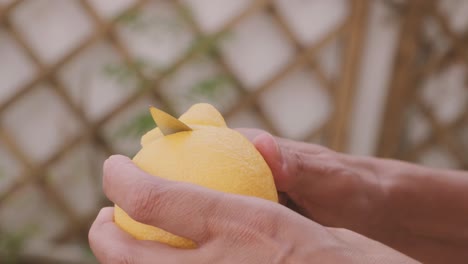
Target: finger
[(271, 152), (179, 208), (291, 161), (268, 146), (112, 245), (287, 159), (104, 221), (252, 133)]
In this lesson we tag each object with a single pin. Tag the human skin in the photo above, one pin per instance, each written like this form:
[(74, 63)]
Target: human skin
[(422, 212), (227, 228)]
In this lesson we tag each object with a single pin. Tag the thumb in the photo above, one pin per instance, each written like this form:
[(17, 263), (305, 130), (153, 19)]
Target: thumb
[(284, 163)]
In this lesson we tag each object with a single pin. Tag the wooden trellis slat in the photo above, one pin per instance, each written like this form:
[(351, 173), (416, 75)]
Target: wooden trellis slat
[(298, 61), (459, 46), (312, 64), (13, 147), (123, 51), (57, 85), (350, 69), (402, 84), (175, 66), (417, 150), (5, 10), (225, 67), (327, 84), (83, 45), (39, 171), (440, 134), (52, 195)]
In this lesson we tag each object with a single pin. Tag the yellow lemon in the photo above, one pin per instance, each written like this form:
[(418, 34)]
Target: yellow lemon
[(198, 148)]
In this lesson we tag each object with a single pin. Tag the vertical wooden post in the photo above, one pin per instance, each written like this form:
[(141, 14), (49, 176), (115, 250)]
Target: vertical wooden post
[(350, 68), (402, 86)]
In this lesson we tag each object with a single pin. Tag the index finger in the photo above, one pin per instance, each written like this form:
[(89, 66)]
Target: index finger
[(183, 209)]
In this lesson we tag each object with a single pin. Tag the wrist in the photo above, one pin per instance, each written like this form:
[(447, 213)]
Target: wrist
[(360, 249), (425, 211), (428, 203)]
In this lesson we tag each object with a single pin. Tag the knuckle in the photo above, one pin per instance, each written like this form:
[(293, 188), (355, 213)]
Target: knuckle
[(93, 232), (143, 200), (106, 179), (269, 220), (149, 200), (343, 231), (211, 212), (259, 223), (300, 162), (92, 237), (109, 167), (215, 207)]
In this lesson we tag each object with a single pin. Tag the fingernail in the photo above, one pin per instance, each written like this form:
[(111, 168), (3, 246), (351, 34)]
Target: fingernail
[(107, 162), (279, 152), (269, 141)]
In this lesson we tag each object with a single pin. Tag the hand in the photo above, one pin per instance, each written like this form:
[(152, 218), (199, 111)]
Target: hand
[(330, 188), (227, 228), (419, 211)]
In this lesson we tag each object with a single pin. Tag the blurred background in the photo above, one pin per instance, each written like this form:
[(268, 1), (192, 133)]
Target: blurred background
[(377, 77)]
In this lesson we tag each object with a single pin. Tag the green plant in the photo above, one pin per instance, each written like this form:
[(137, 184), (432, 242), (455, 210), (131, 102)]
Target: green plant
[(129, 18), (137, 21), (88, 254), (12, 244), (122, 72), (207, 45), (211, 87), (141, 124)]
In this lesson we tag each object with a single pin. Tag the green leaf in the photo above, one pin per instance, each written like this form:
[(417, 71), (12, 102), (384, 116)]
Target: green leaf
[(139, 22), (211, 87), (88, 253), (11, 244), (137, 127), (130, 18), (186, 13), (124, 73), (207, 44)]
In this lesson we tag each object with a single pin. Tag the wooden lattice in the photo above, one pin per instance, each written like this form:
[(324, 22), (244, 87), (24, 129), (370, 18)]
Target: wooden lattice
[(419, 60), (350, 34)]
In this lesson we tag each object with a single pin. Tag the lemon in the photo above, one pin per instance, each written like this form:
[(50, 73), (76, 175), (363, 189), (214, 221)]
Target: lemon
[(199, 149)]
